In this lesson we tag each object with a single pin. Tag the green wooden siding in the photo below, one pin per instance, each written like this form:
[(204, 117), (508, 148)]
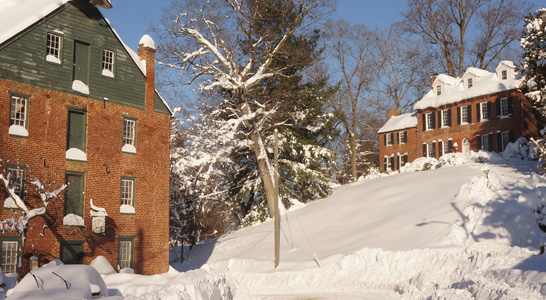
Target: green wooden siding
[(73, 203), (23, 58)]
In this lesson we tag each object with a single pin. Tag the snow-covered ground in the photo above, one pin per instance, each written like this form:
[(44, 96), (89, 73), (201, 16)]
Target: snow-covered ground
[(446, 233)]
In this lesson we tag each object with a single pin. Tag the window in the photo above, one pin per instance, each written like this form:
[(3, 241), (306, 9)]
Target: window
[(446, 118), (402, 160), (503, 139), (127, 191), (389, 139), (125, 253), (9, 252), (464, 115), (16, 175), (108, 63), (53, 49), (77, 122), (469, 82), (438, 90), (429, 149), (429, 121), (18, 111), (504, 75), (129, 135), (403, 137), (447, 147), (504, 107), (484, 111), (484, 145), (72, 251), (74, 195)]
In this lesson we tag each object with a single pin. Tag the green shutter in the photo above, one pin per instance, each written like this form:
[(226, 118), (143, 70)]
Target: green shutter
[(72, 252), (73, 203), (81, 62), (76, 130)]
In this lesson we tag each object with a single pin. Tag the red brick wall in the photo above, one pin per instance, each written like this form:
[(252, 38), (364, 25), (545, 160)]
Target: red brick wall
[(522, 122), (398, 148), (47, 127)]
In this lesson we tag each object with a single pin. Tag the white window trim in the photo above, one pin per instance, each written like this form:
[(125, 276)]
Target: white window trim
[(505, 139), (53, 52), (428, 119), (484, 143), (444, 118), (125, 255), (389, 139), (11, 265), (108, 61), (438, 90), (469, 82), (464, 116), (505, 102), (127, 192), (504, 74), (483, 108)]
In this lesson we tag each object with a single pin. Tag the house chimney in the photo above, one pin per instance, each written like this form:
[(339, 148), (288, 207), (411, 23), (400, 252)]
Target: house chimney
[(146, 52), (432, 79), (393, 112)]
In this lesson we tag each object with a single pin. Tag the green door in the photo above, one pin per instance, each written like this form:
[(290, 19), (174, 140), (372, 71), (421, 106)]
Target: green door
[(72, 252), (81, 62), (73, 203)]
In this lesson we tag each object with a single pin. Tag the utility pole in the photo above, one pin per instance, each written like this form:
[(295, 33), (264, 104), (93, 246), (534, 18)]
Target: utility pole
[(275, 213)]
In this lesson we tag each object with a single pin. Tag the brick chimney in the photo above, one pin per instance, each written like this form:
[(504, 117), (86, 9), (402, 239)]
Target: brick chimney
[(432, 78), (393, 112), (146, 52)]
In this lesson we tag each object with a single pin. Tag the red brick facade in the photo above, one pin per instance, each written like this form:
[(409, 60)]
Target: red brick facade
[(519, 122), (474, 113), (42, 155)]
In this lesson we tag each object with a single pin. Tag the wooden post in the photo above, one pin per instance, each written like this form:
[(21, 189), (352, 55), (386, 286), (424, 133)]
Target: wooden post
[(276, 215)]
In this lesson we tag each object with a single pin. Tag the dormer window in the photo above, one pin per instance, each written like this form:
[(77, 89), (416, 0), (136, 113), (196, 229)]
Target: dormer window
[(469, 82), (504, 75), (438, 90)]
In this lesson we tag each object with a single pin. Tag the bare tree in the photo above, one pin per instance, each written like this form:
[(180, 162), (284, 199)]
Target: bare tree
[(350, 49), (21, 224), (465, 32), (402, 75)]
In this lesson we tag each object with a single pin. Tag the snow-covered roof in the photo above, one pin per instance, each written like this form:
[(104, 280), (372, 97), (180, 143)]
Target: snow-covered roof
[(446, 79), (507, 63), (477, 72), (487, 83), (18, 15), (404, 121)]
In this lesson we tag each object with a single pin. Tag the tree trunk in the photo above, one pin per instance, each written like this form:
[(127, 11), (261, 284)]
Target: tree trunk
[(352, 151), (265, 169)]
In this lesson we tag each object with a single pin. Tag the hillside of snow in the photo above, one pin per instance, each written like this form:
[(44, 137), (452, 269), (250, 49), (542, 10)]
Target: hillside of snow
[(446, 233)]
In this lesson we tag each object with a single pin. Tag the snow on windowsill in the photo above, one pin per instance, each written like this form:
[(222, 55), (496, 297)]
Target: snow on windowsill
[(126, 209), (53, 59), (128, 148), (76, 154), (73, 220), (81, 87), (107, 73), (18, 130)]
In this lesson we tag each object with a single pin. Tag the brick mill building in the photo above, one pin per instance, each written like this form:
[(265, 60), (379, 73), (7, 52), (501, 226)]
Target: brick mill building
[(79, 107), (482, 110)]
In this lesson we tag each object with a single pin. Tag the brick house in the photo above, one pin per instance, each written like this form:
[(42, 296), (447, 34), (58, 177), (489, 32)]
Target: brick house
[(77, 106), (482, 110), (398, 140)]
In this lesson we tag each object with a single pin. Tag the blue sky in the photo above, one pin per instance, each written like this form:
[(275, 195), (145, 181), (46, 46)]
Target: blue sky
[(132, 18)]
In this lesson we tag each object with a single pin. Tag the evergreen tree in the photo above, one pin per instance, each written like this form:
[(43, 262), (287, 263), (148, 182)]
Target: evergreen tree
[(534, 44)]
